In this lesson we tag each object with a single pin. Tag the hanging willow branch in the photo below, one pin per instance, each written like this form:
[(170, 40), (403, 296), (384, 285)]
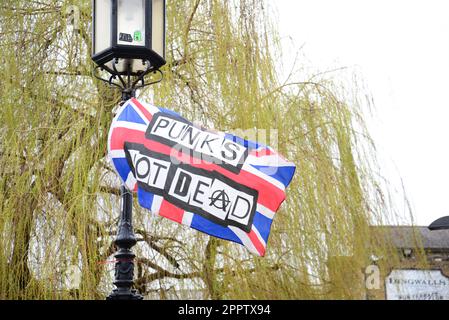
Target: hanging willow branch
[(58, 197)]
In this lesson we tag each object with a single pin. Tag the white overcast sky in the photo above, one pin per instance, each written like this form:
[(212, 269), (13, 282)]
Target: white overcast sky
[(401, 50)]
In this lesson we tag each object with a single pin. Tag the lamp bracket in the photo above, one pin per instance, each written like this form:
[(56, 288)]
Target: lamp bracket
[(128, 82)]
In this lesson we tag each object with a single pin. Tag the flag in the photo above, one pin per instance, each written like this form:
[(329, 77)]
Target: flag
[(214, 182)]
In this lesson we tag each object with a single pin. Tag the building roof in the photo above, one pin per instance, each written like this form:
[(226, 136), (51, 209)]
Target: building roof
[(410, 237)]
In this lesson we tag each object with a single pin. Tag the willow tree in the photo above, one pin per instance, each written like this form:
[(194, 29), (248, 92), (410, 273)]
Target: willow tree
[(59, 196)]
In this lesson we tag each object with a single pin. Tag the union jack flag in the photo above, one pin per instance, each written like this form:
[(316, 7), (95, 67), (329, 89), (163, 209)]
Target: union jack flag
[(214, 182)]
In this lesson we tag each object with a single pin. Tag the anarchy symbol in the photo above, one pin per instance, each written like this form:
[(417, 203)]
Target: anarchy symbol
[(219, 200)]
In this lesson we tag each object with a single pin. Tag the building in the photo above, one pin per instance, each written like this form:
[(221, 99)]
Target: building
[(421, 269)]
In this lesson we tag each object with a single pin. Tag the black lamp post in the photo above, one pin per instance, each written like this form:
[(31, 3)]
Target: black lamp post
[(128, 43)]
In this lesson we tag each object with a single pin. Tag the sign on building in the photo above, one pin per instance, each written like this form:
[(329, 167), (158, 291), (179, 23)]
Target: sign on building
[(417, 285)]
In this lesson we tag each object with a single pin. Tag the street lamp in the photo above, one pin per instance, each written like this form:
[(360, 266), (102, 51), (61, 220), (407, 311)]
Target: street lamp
[(440, 224), (128, 43)]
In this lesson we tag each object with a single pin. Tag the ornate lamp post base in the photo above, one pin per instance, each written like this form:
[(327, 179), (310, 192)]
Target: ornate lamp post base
[(124, 265), (116, 295)]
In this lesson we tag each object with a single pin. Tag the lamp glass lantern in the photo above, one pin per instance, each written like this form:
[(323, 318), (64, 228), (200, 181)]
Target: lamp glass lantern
[(128, 33)]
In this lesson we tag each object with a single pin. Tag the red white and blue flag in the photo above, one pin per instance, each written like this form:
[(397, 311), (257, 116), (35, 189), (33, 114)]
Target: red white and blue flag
[(214, 182)]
